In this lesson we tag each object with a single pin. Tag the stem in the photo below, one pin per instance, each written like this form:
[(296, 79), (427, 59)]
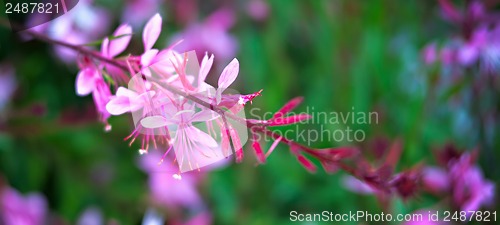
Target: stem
[(250, 124)]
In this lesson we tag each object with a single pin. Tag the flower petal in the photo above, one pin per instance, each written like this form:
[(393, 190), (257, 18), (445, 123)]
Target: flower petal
[(201, 137), (148, 56), (154, 122), (121, 91), (118, 105), (151, 31), (85, 81), (206, 64), (118, 45), (229, 74), (105, 47)]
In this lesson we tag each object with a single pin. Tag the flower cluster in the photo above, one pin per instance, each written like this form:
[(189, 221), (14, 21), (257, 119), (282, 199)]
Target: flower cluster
[(174, 108), (460, 178), (477, 44)]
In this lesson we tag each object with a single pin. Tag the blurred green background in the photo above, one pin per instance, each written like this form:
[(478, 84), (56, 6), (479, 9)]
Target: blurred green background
[(337, 54)]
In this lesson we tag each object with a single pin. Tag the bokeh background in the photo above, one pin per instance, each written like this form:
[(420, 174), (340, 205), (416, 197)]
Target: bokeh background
[(337, 54)]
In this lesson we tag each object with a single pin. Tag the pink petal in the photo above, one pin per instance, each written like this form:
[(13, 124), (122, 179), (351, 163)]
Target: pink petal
[(118, 105), (306, 163), (105, 47), (206, 64), (289, 106), (258, 151), (121, 91), (355, 185), (229, 74), (148, 57), (201, 137), (435, 179), (238, 148), (154, 122), (468, 54), (118, 45), (205, 115), (221, 19), (273, 146), (151, 31), (85, 81)]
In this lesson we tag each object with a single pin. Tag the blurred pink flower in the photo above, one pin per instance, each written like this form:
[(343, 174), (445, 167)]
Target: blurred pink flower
[(470, 50), (115, 46), (91, 216), (152, 58), (7, 84), (211, 35), (430, 53), (470, 189), (435, 179), (83, 24), (136, 12), (167, 188), (463, 180), (355, 185), (89, 80), (16, 209), (258, 9)]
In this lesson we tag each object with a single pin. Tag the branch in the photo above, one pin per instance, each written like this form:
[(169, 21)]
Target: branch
[(250, 124)]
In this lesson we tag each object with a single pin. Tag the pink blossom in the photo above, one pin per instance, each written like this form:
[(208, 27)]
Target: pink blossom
[(470, 189), (89, 80), (91, 216), (258, 9), (7, 84), (210, 35), (16, 209), (153, 59), (83, 24), (138, 11), (164, 188), (127, 100), (471, 50), (355, 185), (430, 53), (435, 179)]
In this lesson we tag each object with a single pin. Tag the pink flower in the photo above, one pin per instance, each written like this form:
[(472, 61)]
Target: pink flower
[(83, 24), (355, 185), (7, 84), (138, 11), (127, 100), (115, 46), (161, 62), (471, 50), (430, 53), (150, 34), (210, 36), (91, 216), (16, 209), (435, 179), (164, 188), (470, 189), (258, 9), (89, 80)]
